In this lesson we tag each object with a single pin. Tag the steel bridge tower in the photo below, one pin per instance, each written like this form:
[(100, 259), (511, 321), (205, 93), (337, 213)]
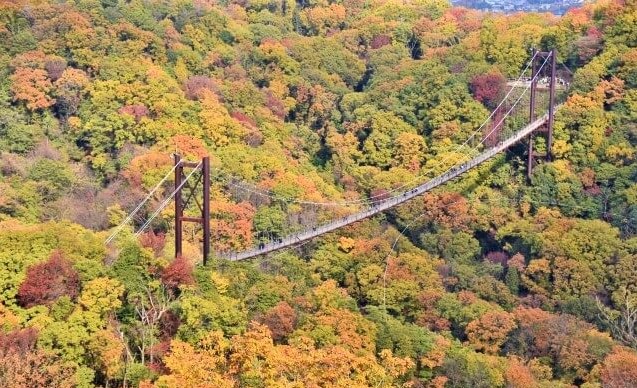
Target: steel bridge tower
[(182, 186), (547, 131)]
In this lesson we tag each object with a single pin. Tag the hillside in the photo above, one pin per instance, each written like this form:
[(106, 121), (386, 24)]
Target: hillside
[(493, 280)]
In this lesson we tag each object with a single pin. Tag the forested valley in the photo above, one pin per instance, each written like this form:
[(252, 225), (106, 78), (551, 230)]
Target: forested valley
[(493, 280)]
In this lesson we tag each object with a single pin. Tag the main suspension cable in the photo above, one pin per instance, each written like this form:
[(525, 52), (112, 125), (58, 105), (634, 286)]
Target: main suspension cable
[(134, 212), (167, 201)]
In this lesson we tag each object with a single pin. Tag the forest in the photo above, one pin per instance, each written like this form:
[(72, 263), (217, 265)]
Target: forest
[(493, 280)]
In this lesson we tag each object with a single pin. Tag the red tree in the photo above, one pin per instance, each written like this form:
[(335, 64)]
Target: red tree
[(618, 369), (138, 111), (23, 366), (55, 67), (275, 105), (195, 85), (156, 242), (168, 325), (18, 341), (281, 320), (244, 119), (588, 45), (450, 210), (379, 41), (488, 88), (178, 272), (497, 257), (46, 282)]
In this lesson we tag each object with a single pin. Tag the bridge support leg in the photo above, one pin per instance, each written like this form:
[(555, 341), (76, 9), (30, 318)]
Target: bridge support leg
[(179, 211), (204, 205), (529, 168), (552, 86), (552, 56), (205, 216)]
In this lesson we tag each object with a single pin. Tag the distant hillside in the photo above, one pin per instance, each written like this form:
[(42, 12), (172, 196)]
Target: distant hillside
[(511, 6)]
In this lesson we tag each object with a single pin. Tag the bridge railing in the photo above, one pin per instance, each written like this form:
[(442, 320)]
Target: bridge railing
[(388, 203)]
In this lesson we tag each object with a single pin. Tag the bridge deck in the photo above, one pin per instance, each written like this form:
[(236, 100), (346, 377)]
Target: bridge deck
[(389, 203)]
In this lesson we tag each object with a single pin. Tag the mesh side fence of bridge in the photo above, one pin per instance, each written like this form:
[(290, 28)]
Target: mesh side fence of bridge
[(312, 232), (305, 226)]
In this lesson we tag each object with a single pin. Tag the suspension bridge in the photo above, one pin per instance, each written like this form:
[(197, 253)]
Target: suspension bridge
[(185, 185)]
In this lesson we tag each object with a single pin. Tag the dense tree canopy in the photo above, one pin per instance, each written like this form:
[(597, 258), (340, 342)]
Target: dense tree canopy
[(493, 280)]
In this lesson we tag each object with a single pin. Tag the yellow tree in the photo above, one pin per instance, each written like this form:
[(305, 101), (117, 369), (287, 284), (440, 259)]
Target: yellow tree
[(409, 149), (489, 332), (197, 368), (107, 353), (219, 129), (33, 87), (255, 358)]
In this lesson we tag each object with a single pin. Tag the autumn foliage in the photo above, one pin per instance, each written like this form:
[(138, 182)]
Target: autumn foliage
[(22, 365), (618, 370), (154, 241), (489, 332), (500, 278), (177, 273), (33, 87), (488, 88), (46, 282), (281, 320)]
